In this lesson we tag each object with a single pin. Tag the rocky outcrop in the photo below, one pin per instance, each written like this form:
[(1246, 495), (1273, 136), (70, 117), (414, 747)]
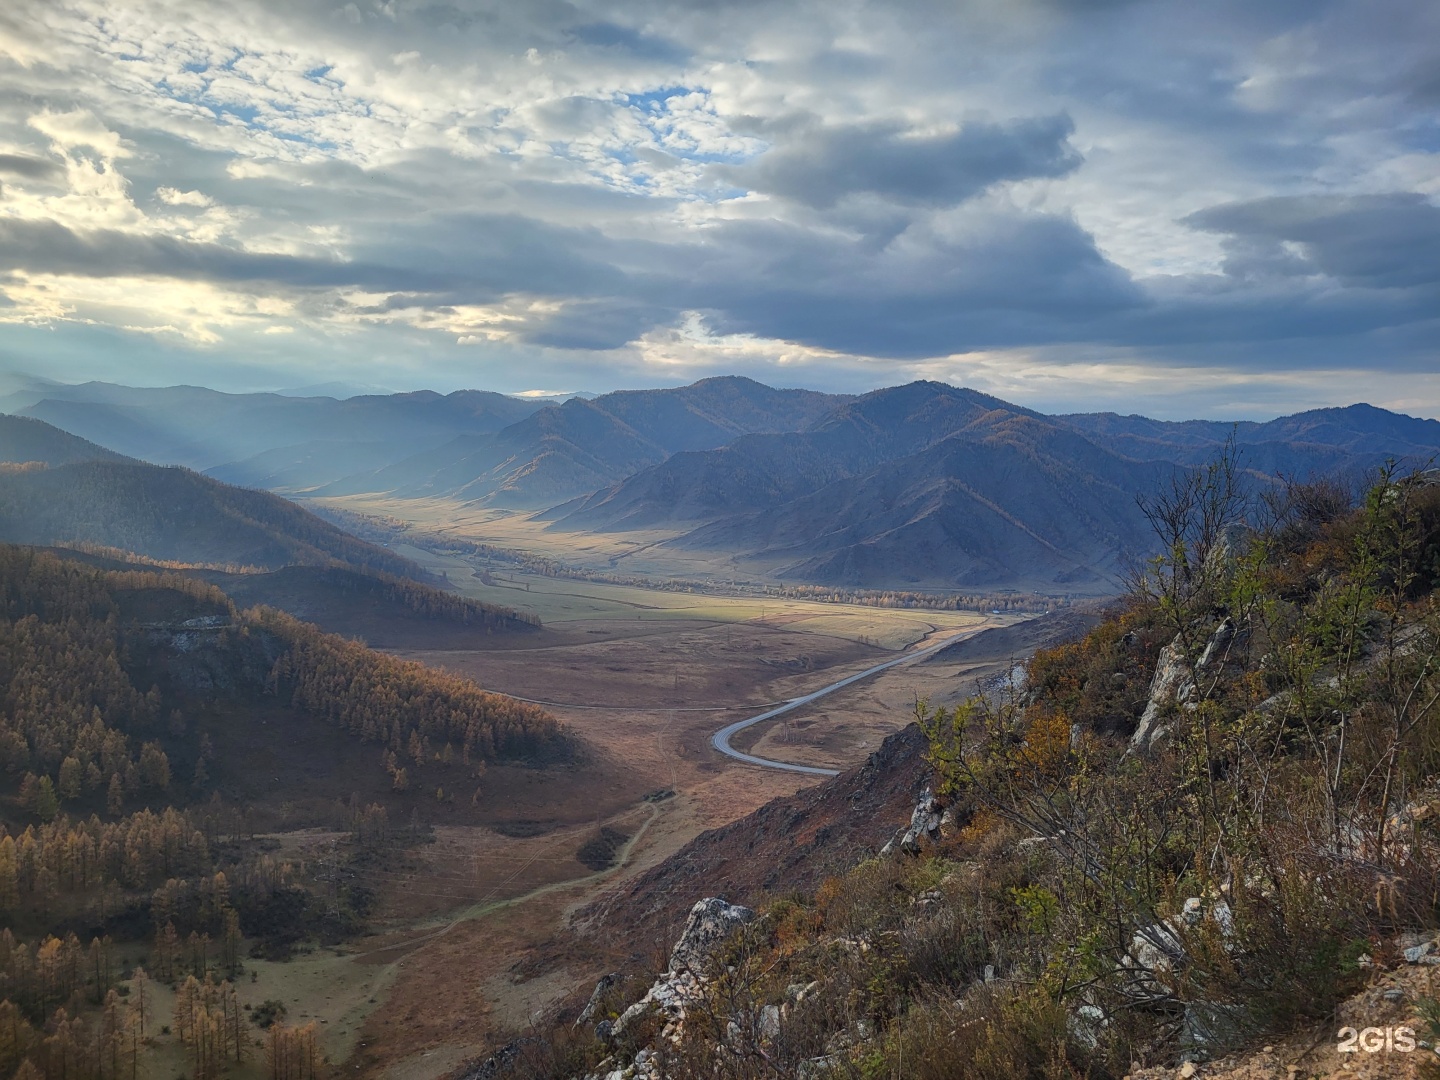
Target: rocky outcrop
[(712, 922), (1171, 684), (500, 1062), (592, 1006), (1174, 683), (925, 822)]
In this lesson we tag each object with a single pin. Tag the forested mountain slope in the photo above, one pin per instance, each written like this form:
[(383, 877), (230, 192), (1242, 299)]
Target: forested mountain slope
[(96, 657), (23, 440), (148, 731)]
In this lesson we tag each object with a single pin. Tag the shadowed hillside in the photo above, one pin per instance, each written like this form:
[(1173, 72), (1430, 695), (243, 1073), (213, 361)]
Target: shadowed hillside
[(174, 514), (382, 610), (764, 470), (23, 440), (933, 486)]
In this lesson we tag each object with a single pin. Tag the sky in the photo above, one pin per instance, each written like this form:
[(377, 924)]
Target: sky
[(1225, 209)]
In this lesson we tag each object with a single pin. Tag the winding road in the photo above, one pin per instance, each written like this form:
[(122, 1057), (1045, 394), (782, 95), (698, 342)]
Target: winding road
[(721, 739)]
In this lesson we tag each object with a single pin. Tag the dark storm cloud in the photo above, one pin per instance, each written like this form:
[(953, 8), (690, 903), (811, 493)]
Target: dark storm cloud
[(49, 247), (823, 165), (1016, 278), (592, 325), (1372, 241)]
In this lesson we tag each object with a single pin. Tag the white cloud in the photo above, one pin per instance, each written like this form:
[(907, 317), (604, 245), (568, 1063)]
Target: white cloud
[(171, 197)]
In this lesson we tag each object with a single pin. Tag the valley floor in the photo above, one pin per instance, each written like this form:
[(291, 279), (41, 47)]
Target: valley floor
[(466, 929)]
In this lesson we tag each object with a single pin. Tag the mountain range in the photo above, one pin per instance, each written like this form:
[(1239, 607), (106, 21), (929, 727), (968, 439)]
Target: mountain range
[(265, 440), (928, 485), (924, 485), (562, 451)]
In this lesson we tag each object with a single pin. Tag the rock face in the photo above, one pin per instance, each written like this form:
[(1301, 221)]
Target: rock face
[(1174, 682), (712, 921), (1171, 683), (925, 822)]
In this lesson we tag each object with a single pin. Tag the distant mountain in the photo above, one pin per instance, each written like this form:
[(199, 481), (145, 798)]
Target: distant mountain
[(173, 514), (1012, 501), (759, 471), (23, 439), (929, 485), (237, 434), (1320, 440), (563, 451)]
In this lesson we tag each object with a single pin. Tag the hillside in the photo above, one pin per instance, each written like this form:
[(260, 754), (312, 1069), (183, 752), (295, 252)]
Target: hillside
[(919, 485), (23, 440), (139, 644), (383, 611), (571, 449), (175, 514), (794, 843), (154, 742), (760, 471), (1015, 507)]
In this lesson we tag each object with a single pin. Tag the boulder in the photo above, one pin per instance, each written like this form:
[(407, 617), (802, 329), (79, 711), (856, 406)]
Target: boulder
[(711, 922)]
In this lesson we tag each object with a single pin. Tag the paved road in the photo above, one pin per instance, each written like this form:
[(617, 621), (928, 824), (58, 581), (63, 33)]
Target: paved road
[(721, 739)]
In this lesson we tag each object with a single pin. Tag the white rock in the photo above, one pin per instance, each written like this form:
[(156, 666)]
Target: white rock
[(769, 1025)]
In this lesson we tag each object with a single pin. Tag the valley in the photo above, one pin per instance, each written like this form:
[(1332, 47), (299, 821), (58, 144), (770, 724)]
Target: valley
[(438, 755), (643, 678)]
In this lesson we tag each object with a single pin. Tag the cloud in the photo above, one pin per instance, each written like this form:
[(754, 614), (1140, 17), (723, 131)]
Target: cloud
[(172, 197), (854, 191), (824, 165), (45, 247), (1387, 241), (31, 168)]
